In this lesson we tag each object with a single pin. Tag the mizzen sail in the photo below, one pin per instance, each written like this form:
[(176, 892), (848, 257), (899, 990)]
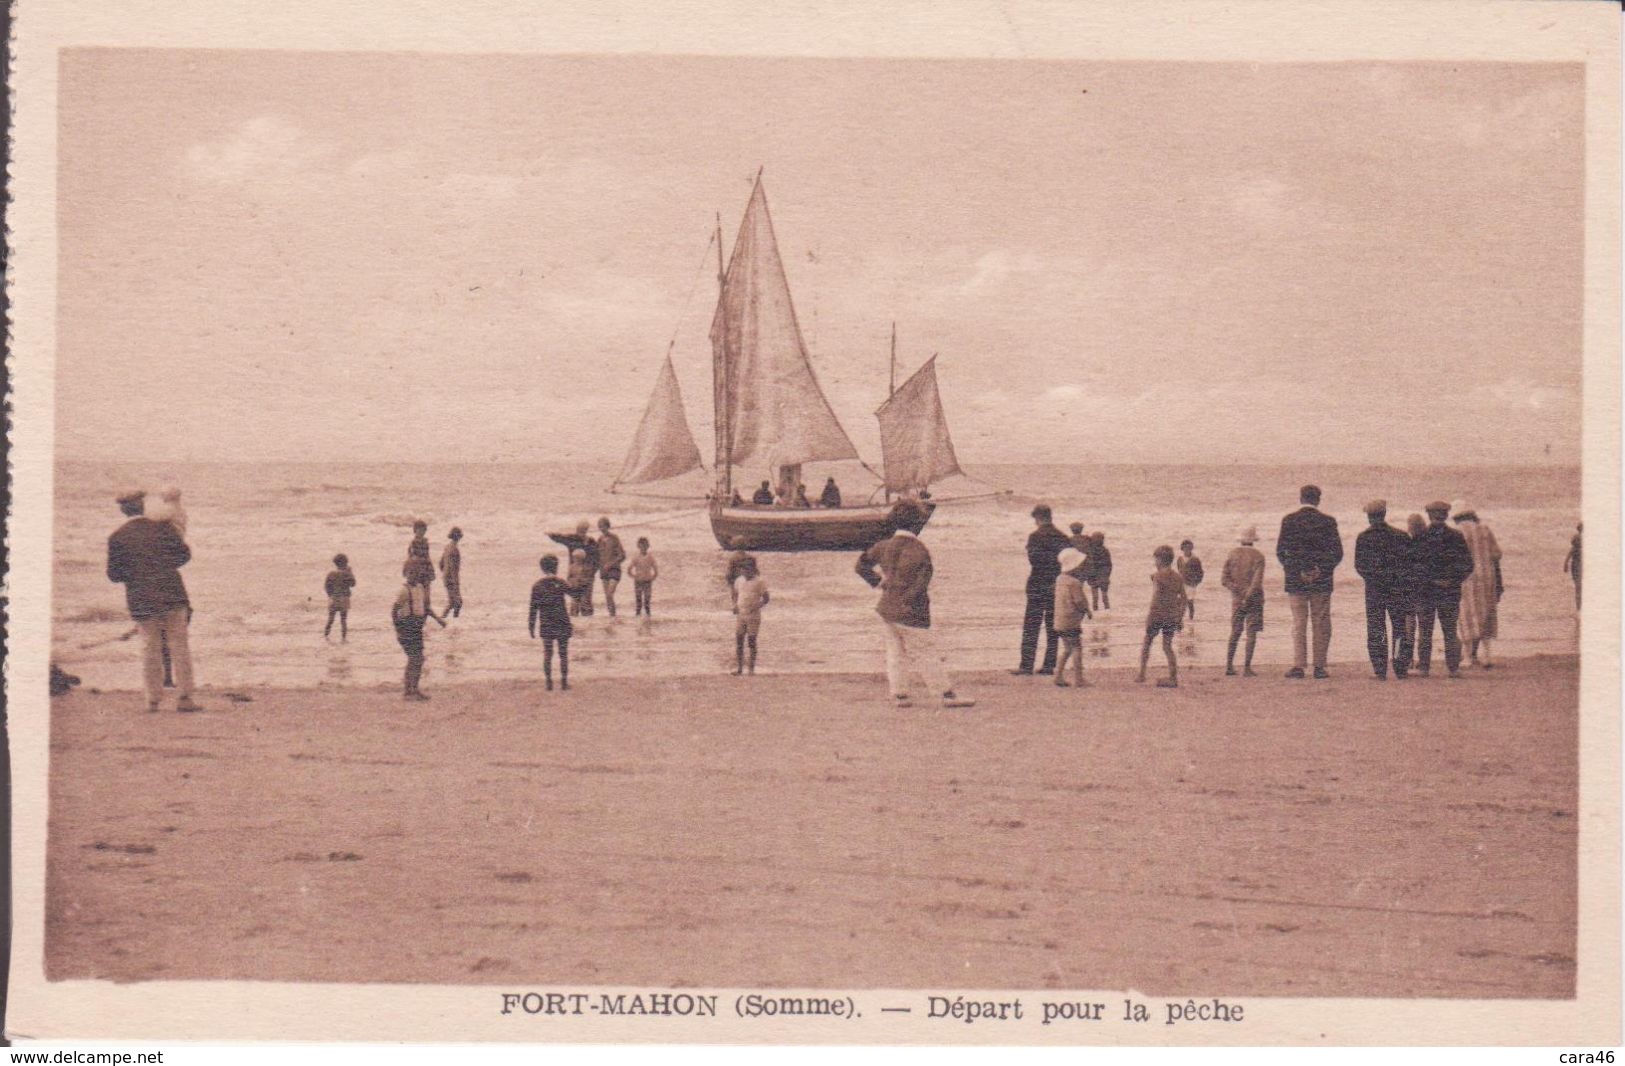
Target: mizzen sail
[(914, 443), (770, 408), (664, 446)]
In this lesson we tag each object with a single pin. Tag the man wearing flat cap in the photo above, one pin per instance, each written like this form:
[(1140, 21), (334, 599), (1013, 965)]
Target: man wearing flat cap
[(1044, 547), (1382, 558), (1441, 561), (145, 557), (1309, 548)]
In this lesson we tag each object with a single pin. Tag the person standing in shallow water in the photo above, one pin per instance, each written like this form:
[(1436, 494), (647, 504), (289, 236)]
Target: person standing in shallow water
[(451, 572), (340, 580), (1098, 572), (1571, 562), (1309, 548), (581, 540), (1382, 558), (549, 619), (1044, 547), (611, 554)]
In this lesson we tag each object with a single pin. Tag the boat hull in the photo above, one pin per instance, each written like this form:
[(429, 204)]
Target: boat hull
[(838, 529)]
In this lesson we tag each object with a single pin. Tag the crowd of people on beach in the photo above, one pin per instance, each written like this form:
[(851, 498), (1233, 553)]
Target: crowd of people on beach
[(1426, 576), (1430, 574)]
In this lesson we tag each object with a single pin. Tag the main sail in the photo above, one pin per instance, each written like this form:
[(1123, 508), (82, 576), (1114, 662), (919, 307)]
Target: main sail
[(770, 410), (914, 442), (664, 446)]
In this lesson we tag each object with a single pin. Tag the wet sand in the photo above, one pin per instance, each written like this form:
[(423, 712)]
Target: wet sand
[(1243, 837)]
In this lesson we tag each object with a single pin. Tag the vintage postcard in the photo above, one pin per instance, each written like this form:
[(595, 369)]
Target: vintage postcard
[(1009, 523)]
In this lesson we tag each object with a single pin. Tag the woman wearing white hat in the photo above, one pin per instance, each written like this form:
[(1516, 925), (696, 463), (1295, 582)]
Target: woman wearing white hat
[(1482, 591)]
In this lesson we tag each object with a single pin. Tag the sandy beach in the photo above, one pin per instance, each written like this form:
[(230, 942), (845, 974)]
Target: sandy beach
[(1259, 837)]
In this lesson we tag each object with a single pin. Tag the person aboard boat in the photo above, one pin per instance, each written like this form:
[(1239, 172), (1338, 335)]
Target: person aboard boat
[(763, 496), (831, 496), (801, 497)]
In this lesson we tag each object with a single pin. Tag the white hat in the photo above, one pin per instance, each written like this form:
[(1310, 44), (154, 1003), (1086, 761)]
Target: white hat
[(1071, 559), (1459, 508), (1248, 534)]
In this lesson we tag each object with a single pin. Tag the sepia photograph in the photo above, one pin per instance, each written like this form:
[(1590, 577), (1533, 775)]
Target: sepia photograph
[(638, 530)]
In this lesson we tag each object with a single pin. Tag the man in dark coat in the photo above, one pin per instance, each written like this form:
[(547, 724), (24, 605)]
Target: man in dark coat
[(900, 567), (1442, 561), (1044, 547), (1309, 549), (145, 557), (831, 496), (1382, 558)]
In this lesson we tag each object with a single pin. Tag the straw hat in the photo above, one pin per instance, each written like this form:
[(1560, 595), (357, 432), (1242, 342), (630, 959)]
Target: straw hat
[(1248, 534), (1071, 559)]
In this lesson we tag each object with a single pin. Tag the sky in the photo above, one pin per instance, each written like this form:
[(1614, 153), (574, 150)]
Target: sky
[(376, 257)]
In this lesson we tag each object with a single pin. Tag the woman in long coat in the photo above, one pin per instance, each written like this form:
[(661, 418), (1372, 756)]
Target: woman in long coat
[(1482, 591)]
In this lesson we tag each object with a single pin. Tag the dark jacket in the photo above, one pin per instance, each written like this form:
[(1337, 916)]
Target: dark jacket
[(1044, 547), (831, 496), (1441, 561), (145, 557), (1382, 557), (1309, 542), (574, 541), (549, 613), (905, 596)]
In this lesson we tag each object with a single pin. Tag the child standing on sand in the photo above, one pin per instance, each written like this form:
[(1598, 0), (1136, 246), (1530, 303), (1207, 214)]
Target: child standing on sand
[(340, 580), (550, 620), (1071, 608), (750, 597), (643, 571), (1244, 576), (1190, 571), (410, 609), (1166, 616)]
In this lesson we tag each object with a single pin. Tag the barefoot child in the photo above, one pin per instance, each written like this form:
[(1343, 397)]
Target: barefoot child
[(643, 571), (1244, 576), (1190, 571), (1100, 571), (550, 620), (1071, 608), (579, 580), (417, 570), (751, 596), (340, 580), (410, 609), (1166, 616)]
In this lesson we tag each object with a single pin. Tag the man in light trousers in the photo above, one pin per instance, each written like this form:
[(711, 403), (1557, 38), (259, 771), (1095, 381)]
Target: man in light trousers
[(900, 566), (145, 557)]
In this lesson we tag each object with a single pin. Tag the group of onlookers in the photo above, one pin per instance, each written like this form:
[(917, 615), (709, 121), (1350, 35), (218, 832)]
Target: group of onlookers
[(1427, 574), (1431, 573)]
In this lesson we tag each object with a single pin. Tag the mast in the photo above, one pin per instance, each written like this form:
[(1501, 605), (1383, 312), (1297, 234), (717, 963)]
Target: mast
[(891, 383), (722, 411)]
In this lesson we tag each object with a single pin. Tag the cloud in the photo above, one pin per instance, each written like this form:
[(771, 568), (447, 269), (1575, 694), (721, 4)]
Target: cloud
[(1522, 393), (997, 267), (264, 146)]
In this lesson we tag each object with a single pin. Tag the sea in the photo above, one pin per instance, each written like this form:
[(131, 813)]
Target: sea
[(263, 536)]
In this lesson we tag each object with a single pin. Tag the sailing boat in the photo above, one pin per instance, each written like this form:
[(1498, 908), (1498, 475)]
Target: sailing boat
[(771, 413)]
